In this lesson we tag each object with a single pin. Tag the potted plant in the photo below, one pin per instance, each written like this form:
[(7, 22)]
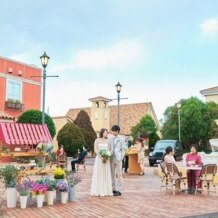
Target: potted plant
[(63, 187), (73, 179), (24, 190), (9, 173), (51, 185), (39, 190)]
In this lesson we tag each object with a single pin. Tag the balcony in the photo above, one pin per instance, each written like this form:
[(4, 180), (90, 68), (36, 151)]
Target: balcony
[(13, 104)]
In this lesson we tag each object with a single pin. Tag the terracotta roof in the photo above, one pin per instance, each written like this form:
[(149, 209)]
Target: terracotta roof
[(24, 133), (210, 91), (100, 98), (73, 112)]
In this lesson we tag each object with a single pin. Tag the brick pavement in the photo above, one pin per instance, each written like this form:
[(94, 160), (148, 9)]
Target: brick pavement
[(141, 198)]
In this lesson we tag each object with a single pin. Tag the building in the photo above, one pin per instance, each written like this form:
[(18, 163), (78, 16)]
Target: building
[(211, 94), (20, 87)]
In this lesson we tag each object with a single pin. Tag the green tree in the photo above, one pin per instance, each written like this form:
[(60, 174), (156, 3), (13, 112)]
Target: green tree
[(83, 121), (197, 122), (35, 117), (72, 138), (146, 128)]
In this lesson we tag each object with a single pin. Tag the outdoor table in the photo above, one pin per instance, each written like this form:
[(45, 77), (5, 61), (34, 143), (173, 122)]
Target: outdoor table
[(192, 169)]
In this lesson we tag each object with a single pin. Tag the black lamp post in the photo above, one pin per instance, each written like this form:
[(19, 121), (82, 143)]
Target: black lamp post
[(44, 60), (118, 87)]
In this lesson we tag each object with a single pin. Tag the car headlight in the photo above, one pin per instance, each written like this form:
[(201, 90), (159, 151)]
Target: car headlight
[(151, 154)]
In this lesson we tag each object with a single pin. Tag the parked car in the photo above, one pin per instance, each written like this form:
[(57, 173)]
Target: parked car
[(160, 149)]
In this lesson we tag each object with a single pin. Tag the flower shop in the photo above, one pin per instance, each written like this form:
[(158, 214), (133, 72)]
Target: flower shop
[(30, 184)]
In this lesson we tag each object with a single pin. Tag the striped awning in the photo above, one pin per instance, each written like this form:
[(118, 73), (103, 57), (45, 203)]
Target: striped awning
[(24, 133)]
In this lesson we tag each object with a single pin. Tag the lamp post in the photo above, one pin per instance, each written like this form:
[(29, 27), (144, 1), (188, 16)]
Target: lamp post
[(118, 87), (44, 60), (178, 107)]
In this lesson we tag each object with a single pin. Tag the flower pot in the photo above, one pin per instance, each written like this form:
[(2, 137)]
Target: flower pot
[(39, 200), (50, 197), (29, 200), (45, 198), (23, 201), (72, 193), (64, 196), (11, 197)]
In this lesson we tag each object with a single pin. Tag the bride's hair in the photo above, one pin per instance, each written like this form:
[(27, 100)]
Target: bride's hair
[(101, 133)]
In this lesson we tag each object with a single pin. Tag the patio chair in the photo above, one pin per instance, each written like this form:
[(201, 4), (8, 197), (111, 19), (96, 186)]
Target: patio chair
[(175, 177), (81, 164), (206, 176), (62, 161), (164, 176)]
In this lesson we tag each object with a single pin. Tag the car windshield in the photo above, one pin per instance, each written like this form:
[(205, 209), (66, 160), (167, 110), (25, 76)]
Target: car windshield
[(163, 145)]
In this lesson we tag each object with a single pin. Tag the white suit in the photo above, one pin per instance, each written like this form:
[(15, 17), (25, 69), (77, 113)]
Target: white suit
[(118, 153)]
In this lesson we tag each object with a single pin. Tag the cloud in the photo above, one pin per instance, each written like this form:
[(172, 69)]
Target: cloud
[(209, 27), (119, 56), (22, 57)]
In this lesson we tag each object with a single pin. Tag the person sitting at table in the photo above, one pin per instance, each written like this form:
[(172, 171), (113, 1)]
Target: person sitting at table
[(81, 157), (193, 159), (169, 158)]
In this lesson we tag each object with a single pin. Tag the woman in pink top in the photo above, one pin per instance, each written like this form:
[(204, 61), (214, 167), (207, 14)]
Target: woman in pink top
[(193, 159)]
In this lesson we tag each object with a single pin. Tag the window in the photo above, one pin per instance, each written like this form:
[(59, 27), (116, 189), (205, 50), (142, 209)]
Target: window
[(14, 90), (97, 104)]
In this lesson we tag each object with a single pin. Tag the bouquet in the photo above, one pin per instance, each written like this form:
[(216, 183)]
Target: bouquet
[(73, 179), (39, 189), (105, 154), (51, 183), (24, 188), (62, 187), (59, 173)]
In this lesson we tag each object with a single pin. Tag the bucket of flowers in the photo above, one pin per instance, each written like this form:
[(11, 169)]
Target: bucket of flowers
[(105, 154), (63, 187), (73, 179), (59, 173), (23, 190), (51, 185), (39, 190)]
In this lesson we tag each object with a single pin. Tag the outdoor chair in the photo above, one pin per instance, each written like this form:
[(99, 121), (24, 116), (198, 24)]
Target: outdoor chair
[(62, 161), (206, 176), (81, 164), (164, 176), (175, 177)]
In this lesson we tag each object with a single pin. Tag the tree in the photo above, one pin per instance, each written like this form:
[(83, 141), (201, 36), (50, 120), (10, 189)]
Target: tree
[(83, 121), (72, 138), (197, 122), (35, 116), (146, 128)]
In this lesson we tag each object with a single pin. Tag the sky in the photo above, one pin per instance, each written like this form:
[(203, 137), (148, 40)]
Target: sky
[(161, 51)]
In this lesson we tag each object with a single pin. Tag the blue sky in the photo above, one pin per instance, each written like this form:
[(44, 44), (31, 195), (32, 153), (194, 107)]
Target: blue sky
[(160, 50)]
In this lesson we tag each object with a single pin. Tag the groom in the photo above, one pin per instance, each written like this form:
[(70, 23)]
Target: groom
[(118, 152)]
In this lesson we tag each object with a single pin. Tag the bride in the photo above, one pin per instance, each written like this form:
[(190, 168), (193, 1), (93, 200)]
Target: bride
[(101, 178)]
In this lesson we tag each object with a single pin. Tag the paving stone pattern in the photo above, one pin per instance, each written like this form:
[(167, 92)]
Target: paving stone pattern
[(141, 198)]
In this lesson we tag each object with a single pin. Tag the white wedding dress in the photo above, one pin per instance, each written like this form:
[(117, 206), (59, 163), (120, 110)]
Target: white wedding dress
[(101, 178)]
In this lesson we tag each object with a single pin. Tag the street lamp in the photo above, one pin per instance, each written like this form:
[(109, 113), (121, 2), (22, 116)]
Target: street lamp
[(118, 87), (44, 60), (178, 107)]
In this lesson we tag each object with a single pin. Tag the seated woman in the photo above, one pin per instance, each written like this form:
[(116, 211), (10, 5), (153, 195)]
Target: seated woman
[(60, 150), (169, 158), (193, 159)]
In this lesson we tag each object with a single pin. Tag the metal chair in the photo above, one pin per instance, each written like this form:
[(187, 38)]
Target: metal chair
[(175, 177), (206, 176), (82, 163)]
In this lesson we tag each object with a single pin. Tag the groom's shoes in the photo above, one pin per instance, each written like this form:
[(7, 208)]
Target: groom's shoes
[(116, 193)]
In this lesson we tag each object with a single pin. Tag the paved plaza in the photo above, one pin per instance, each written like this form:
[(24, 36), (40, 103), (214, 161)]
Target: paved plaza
[(141, 198)]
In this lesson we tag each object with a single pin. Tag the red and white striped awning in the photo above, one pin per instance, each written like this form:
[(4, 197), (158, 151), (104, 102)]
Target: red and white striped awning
[(24, 133)]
